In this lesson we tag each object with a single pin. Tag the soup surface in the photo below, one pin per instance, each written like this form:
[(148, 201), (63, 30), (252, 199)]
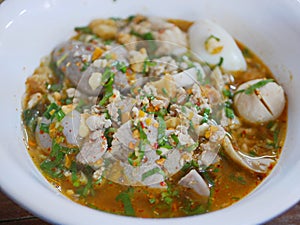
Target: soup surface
[(150, 117)]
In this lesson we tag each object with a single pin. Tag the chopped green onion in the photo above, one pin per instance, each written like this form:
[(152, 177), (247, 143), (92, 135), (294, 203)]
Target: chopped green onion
[(207, 176), (238, 179), (166, 146), (276, 138), (148, 36), (212, 37), (152, 172), (259, 84), (255, 86), (130, 18), (88, 187), (85, 66), (74, 176), (229, 113), (158, 152), (143, 135), (44, 127), (115, 18), (108, 133), (147, 64), (85, 30), (54, 111), (190, 165), (161, 112), (68, 101), (220, 62), (106, 76), (192, 147), (108, 80), (206, 114), (252, 153), (51, 109), (135, 158), (175, 138), (145, 36), (199, 76), (227, 93), (152, 200), (161, 138), (61, 59), (165, 92), (107, 42), (59, 115), (246, 53), (228, 110), (121, 66), (54, 87)]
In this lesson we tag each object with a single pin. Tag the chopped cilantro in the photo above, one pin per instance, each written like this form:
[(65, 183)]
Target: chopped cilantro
[(125, 198)]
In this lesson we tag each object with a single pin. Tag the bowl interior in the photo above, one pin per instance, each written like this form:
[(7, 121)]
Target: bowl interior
[(29, 30)]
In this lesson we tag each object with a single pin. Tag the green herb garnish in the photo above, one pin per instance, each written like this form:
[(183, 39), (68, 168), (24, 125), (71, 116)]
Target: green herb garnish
[(54, 164), (206, 114), (135, 158), (130, 18), (255, 86), (192, 147), (246, 53), (152, 172), (55, 87), (125, 198), (175, 139), (229, 113), (44, 127), (84, 66), (85, 30), (74, 176), (227, 93), (161, 137), (54, 111), (212, 37), (30, 118), (61, 59), (220, 62), (107, 81), (147, 64), (145, 36), (228, 110), (121, 66), (238, 179), (207, 176)]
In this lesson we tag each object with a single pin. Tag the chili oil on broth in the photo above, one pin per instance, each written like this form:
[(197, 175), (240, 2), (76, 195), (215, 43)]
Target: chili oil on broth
[(228, 181)]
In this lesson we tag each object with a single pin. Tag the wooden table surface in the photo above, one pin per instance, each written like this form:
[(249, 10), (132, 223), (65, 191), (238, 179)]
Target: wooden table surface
[(12, 214)]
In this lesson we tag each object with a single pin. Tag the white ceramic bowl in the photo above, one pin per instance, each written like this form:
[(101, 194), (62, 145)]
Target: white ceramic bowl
[(30, 29)]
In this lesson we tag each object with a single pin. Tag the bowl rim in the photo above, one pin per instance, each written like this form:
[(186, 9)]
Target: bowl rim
[(47, 193)]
